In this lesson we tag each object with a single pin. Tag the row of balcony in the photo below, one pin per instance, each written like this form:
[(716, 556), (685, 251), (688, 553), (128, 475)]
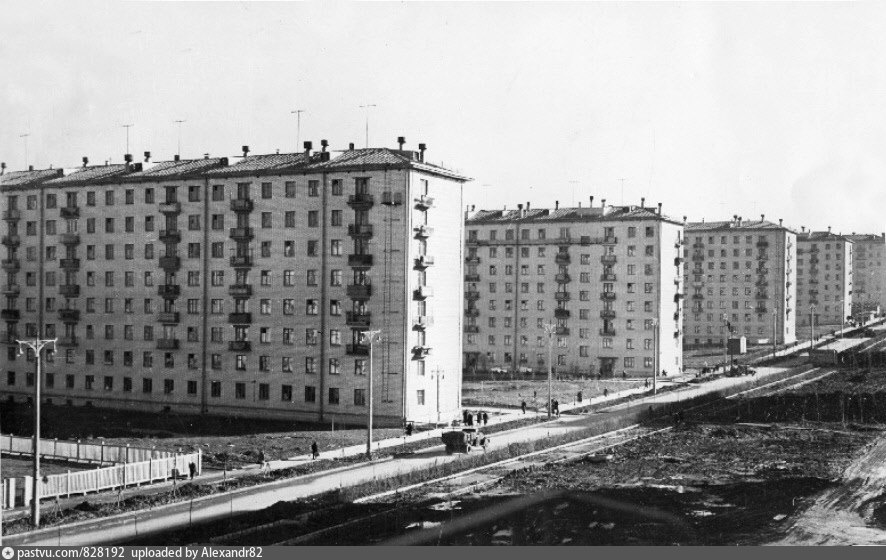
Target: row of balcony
[(12, 215), (11, 240)]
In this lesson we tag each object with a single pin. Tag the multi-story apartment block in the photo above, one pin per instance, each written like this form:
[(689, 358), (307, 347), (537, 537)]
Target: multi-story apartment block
[(824, 278), (868, 273), (740, 274), (245, 289), (607, 277)]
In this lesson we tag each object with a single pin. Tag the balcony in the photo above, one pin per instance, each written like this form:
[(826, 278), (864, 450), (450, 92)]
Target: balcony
[(472, 277), (242, 233), (424, 261), (357, 349), (170, 235), (472, 329), (762, 283), (69, 315), (677, 316), (70, 212), (607, 314), (68, 341), (424, 202), (170, 317), (562, 278), (240, 346), (170, 207), (240, 290), (241, 261), (610, 240), (762, 271), (813, 280), (697, 258), (167, 344), (12, 289), (814, 260), (11, 265), (420, 352), (607, 296), (563, 331), (356, 319), (608, 277), (360, 231), (763, 256), (560, 313), (69, 239), (472, 312), (677, 297), (697, 296), (760, 310), (12, 240), (423, 292), (608, 259), (170, 263), (70, 264), (169, 290), (69, 290), (472, 295), (10, 314), (359, 291), (561, 296), (698, 245), (762, 243), (12, 215), (562, 258), (605, 332), (678, 261), (422, 322), (240, 318), (361, 201), (472, 259), (359, 261), (761, 295), (423, 231), (242, 205)]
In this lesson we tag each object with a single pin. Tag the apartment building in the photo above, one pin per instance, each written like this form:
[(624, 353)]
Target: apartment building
[(868, 273), (824, 278), (241, 289), (608, 278), (740, 274)]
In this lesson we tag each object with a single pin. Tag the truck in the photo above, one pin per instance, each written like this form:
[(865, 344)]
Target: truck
[(462, 441)]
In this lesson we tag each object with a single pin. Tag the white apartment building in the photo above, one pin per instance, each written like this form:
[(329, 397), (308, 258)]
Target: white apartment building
[(824, 279)]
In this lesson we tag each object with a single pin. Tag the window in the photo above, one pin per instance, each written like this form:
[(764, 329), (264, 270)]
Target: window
[(240, 390), (359, 397), (333, 395), (420, 397), (314, 188), (310, 394), (147, 385), (313, 218), (194, 222)]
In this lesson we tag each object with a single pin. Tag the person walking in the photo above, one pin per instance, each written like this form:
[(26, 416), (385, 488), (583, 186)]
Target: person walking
[(579, 396), (192, 469), (265, 464), (315, 450), (523, 407), (464, 417), (409, 429), (485, 419), (470, 419), (605, 392)]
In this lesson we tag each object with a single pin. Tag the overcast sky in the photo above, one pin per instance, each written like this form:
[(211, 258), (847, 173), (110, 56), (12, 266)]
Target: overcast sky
[(711, 109)]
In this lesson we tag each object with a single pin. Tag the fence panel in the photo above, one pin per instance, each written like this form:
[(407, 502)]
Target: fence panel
[(76, 451)]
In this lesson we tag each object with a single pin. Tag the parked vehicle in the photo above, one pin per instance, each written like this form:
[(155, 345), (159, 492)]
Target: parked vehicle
[(462, 441), (741, 369)]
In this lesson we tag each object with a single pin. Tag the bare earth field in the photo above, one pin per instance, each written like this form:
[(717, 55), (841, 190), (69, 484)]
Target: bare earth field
[(509, 394), (14, 467)]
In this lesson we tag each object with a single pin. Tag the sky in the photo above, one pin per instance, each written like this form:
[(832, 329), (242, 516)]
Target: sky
[(711, 109)]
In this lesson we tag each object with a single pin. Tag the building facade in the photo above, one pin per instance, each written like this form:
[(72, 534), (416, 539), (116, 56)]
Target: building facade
[(868, 273), (824, 279), (606, 278), (245, 289), (740, 274)]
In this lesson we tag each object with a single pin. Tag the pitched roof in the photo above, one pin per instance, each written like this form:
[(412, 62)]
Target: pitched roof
[(29, 177), (541, 215), (822, 236), (176, 169), (383, 158), (92, 174), (866, 238), (270, 164), (731, 225)]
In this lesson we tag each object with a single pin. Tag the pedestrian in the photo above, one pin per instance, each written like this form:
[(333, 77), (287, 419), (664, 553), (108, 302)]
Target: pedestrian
[(535, 394), (315, 450), (464, 417), (624, 374), (409, 429), (523, 406), (192, 468), (470, 419), (579, 396), (664, 373), (485, 419), (265, 464), (646, 383), (605, 393)]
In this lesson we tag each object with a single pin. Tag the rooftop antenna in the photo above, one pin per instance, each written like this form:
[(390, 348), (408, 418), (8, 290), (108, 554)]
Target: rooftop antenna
[(573, 183), (622, 190), (25, 136), (179, 123), (367, 107), (297, 114), (127, 127)]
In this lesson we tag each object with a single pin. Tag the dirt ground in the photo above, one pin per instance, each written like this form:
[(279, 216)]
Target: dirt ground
[(16, 466), (848, 381), (511, 393)]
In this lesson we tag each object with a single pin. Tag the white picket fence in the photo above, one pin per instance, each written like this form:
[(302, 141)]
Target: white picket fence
[(78, 452), (17, 491)]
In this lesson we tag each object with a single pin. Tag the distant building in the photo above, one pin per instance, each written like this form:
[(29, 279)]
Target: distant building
[(868, 272), (243, 289), (824, 278), (740, 274), (605, 276)]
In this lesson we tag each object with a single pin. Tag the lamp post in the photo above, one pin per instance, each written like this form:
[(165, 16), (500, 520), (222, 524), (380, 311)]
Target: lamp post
[(812, 326), (371, 337), (655, 364), (37, 346), (438, 374), (550, 330)]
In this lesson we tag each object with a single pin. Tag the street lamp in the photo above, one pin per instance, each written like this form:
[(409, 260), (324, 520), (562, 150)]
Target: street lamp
[(655, 363), (438, 373), (371, 337), (37, 346), (550, 330)]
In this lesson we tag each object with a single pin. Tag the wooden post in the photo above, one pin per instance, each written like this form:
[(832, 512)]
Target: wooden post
[(78, 450), (101, 461)]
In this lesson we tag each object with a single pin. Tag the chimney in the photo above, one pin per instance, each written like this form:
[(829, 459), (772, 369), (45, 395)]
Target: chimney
[(127, 158), (85, 161), (30, 168), (323, 145), (472, 207), (400, 141), (308, 146), (147, 156), (520, 208), (527, 206), (421, 151), (245, 151), (643, 202), (2, 167), (176, 157), (802, 229), (829, 229), (556, 205), (351, 146), (206, 156), (659, 208), (591, 205), (684, 219), (603, 203), (779, 221)]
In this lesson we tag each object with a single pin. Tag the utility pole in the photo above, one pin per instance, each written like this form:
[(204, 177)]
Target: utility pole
[(37, 346), (297, 114), (622, 190), (367, 107), (127, 127), (774, 322), (371, 337), (438, 373), (25, 137), (179, 123), (812, 325), (550, 330), (655, 364)]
